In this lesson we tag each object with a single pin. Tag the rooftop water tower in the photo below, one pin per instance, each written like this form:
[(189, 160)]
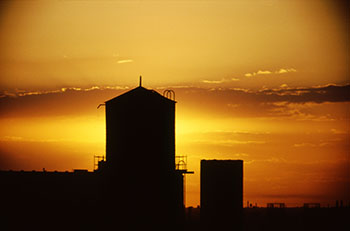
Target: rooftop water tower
[(140, 155), (140, 127)]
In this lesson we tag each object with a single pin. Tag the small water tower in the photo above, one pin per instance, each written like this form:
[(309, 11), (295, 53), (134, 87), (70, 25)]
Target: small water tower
[(140, 126), (140, 155)]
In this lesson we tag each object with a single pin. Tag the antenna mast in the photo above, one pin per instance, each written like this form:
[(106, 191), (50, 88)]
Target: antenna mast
[(140, 81)]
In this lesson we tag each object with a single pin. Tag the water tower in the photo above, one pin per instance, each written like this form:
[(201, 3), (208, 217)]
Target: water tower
[(140, 155)]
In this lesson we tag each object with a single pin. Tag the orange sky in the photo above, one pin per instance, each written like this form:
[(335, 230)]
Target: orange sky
[(262, 81)]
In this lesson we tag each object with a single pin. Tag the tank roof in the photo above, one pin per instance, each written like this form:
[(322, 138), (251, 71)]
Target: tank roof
[(140, 92)]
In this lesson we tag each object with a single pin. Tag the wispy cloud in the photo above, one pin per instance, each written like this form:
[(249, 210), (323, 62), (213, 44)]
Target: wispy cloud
[(284, 86), (263, 72), (220, 81), (285, 70), (319, 94), (295, 103), (338, 132), (229, 142), (267, 72), (125, 61), (212, 81), (20, 93), (299, 145), (259, 72), (24, 139)]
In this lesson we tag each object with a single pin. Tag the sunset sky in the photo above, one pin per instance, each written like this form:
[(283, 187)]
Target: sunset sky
[(264, 81)]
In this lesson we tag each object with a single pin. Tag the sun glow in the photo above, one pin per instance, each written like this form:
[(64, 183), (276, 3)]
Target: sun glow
[(262, 81)]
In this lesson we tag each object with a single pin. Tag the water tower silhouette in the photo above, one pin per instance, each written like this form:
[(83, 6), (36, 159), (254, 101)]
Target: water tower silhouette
[(140, 157)]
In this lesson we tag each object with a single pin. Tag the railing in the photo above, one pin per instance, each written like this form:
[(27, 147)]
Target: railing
[(181, 162), (97, 160)]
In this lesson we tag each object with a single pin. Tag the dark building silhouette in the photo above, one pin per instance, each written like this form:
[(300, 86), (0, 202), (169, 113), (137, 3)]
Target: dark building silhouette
[(221, 194), (137, 186), (140, 122), (140, 156), (140, 184), (32, 200)]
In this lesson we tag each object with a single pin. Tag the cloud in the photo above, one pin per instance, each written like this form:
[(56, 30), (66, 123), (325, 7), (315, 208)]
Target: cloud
[(267, 72), (125, 61), (240, 89), (320, 103), (305, 145), (263, 72), (233, 105), (282, 102), (283, 95), (21, 93), (213, 81), (63, 101), (282, 70), (338, 132), (23, 139), (259, 72), (220, 81), (228, 142), (284, 86), (328, 93)]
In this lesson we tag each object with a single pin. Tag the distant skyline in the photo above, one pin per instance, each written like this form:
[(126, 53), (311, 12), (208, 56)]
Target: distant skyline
[(263, 81)]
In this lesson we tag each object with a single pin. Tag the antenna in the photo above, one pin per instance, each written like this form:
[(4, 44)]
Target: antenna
[(140, 81)]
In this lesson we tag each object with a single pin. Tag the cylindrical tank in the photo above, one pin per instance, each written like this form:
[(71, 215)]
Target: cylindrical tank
[(140, 126), (140, 157)]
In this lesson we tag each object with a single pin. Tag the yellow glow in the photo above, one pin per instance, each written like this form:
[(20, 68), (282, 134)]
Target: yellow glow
[(83, 43), (60, 59), (78, 129)]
